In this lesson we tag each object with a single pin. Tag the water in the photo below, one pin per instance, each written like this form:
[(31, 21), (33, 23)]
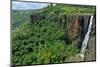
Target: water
[(85, 41)]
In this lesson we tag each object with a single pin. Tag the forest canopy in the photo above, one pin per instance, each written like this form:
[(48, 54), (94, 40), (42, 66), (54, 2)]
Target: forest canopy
[(43, 41)]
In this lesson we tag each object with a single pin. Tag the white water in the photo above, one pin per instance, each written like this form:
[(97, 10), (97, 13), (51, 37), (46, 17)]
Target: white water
[(85, 41)]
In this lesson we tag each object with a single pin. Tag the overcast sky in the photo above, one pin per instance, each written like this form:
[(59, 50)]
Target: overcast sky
[(27, 5)]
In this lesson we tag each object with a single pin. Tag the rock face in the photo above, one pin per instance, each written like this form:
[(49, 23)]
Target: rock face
[(90, 54), (83, 28), (79, 28), (73, 28)]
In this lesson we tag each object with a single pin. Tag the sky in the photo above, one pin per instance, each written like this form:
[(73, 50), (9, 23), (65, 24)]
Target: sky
[(27, 5)]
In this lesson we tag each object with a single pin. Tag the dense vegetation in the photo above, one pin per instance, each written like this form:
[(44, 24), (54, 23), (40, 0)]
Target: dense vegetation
[(35, 45), (42, 41)]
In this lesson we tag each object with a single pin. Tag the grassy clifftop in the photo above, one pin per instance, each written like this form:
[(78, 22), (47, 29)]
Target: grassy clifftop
[(19, 16), (69, 9)]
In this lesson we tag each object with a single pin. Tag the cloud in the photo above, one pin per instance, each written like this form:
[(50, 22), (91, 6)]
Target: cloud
[(27, 5)]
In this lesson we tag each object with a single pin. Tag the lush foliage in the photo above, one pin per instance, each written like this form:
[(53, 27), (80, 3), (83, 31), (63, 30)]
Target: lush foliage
[(42, 41)]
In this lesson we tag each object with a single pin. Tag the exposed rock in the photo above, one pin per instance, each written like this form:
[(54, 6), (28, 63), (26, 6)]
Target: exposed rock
[(73, 28), (90, 54)]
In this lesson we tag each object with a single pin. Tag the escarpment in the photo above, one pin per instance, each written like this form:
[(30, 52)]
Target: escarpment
[(75, 26)]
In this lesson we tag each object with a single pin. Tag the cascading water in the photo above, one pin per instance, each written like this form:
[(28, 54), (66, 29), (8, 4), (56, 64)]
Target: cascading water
[(85, 41)]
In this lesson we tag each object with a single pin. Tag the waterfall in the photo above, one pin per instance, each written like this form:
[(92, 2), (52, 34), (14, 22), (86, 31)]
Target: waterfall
[(85, 41)]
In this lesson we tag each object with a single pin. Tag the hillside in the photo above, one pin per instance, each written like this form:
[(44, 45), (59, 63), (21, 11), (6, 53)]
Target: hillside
[(42, 36)]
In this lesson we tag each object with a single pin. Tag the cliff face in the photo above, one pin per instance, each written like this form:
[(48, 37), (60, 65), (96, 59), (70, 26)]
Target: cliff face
[(83, 28), (79, 28), (73, 30)]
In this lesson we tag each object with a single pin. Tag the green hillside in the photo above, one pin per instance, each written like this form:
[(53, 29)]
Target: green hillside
[(43, 41)]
